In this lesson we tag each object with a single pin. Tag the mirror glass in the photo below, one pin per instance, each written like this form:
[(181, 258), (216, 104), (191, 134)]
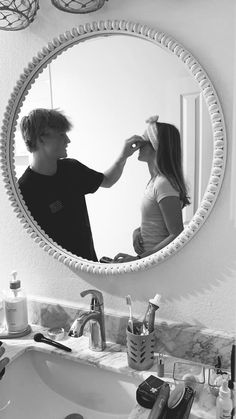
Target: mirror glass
[(108, 86)]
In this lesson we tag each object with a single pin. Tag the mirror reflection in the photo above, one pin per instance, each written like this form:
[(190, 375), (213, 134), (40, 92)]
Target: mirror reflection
[(108, 87)]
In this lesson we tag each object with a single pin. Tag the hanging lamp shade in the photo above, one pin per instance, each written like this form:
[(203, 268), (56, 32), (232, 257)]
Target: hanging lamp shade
[(78, 6), (17, 14)]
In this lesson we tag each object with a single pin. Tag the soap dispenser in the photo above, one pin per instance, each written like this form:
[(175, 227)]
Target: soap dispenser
[(15, 306), (224, 403)]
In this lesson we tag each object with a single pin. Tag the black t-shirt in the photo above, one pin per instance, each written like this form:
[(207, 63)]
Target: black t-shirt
[(58, 204)]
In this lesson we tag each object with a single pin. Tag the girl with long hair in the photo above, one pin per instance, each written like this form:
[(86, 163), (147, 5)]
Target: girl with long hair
[(166, 192)]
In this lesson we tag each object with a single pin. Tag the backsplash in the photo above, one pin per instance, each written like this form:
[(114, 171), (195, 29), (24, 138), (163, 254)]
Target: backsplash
[(180, 340)]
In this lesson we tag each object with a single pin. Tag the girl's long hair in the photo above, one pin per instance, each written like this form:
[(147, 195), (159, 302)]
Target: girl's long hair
[(169, 159)]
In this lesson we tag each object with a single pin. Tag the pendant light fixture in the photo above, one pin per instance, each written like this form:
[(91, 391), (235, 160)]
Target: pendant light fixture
[(17, 14), (78, 6)]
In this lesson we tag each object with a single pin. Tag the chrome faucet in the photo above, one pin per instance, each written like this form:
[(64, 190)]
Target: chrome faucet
[(95, 315)]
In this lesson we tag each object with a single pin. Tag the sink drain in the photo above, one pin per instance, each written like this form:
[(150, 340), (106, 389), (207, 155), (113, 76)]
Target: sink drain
[(74, 416)]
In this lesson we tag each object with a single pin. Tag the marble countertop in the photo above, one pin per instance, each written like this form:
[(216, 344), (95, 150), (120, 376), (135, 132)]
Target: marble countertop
[(114, 358)]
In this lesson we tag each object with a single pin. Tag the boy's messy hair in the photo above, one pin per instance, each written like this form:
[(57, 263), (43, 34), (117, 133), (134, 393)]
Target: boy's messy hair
[(34, 125)]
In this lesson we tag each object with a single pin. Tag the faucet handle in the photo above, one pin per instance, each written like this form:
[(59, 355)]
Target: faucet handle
[(96, 295)]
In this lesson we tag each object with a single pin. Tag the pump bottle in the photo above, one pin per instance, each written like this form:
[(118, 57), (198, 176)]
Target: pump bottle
[(224, 403), (15, 306)]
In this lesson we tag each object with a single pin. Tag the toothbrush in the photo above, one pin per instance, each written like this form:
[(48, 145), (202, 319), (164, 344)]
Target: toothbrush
[(130, 321), (39, 337)]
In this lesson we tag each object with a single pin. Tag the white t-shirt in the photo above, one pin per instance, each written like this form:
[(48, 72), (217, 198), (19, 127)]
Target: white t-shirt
[(153, 228)]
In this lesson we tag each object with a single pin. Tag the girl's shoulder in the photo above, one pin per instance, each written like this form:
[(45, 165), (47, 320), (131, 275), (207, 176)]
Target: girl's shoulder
[(161, 181), (163, 187)]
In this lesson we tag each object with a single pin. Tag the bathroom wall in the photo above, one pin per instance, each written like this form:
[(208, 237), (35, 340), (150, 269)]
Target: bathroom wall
[(198, 284)]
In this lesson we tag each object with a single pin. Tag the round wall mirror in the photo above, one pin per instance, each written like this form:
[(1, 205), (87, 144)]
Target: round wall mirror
[(116, 76)]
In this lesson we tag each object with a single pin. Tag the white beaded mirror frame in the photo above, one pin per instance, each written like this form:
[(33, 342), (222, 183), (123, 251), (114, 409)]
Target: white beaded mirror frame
[(28, 77)]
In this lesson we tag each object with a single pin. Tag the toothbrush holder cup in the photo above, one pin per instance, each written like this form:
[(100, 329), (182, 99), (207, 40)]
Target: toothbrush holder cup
[(140, 350)]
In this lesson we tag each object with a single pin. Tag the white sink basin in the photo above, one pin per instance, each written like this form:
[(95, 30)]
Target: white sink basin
[(45, 386)]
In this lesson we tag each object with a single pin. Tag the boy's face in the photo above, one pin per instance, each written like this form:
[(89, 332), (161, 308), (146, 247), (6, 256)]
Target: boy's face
[(54, 143)]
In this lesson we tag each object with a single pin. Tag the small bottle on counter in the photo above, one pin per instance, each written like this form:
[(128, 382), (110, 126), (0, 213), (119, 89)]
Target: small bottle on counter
[(224, 403), (160, 366), (15, 306)]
